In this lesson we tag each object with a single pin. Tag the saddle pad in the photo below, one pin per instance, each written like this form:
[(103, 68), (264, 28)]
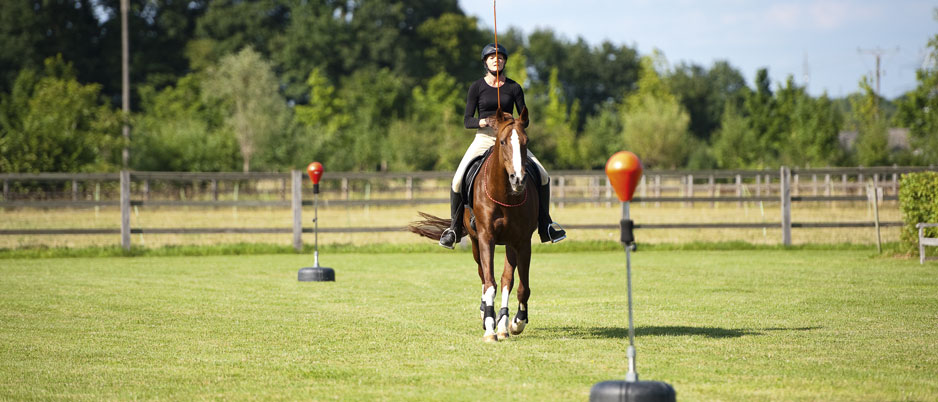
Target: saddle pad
[(476, 165)]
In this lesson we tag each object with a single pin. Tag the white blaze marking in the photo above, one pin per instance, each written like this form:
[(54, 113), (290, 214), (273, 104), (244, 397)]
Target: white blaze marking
[(516, 152)]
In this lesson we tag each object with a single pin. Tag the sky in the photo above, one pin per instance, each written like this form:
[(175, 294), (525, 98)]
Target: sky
[(826, 45)]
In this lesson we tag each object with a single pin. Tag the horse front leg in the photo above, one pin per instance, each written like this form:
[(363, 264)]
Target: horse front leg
[(507, 283), (486, 255), (524, 290)]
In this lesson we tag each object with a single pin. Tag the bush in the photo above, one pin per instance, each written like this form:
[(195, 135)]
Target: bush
[(918, 200)]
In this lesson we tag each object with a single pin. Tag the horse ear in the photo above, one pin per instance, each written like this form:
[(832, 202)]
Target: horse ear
[(499, 115), (524, 115)]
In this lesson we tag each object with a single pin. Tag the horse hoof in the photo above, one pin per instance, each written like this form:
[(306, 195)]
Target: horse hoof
[(490, 338), (517, 328), (502, 336)]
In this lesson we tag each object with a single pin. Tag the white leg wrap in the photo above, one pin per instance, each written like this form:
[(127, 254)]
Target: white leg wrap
[(502, 324), (517, 326), (489, 296), (489, 299)]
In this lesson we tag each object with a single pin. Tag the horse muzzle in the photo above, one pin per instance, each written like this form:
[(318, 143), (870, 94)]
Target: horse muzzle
[(516, 181)]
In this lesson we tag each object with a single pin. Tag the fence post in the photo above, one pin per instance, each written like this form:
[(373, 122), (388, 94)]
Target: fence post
[(561, 185), (657, 189), (297, 203), (739, 190), (125, 209), (713, 190), (6, 190), (690, 188), (758, 185), (609, 191), (785, 191), (345, 189), (643, 188)]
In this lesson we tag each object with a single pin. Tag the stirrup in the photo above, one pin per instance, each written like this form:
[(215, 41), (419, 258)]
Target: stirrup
[(443, 236), (554, 229)]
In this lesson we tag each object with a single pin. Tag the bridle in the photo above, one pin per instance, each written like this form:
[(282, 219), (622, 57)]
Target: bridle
[(485, 187)]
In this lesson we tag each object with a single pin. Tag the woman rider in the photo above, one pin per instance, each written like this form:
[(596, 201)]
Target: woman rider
[(484, 98)]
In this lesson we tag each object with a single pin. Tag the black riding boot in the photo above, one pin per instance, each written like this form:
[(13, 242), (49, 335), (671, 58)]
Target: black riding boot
[(549, 230), (452, 235)]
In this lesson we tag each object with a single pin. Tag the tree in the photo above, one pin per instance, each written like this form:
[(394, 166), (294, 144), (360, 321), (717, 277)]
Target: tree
[(704, 93), (872, 146), (178, 129), (761, 110), (247, 87), (592, 75), (33, 30), (654, 123), (601, 136), (159, 31), (917, 111), (376, 97), (53, 123), (449, 41), (813, 127), (735, 143), (557, 130)]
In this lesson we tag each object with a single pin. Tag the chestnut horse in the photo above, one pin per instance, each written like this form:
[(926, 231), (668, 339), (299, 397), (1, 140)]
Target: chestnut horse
[(504, 211)]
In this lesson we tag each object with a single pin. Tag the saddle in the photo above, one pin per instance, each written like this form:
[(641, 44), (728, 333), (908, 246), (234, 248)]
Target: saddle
[(476, 165)]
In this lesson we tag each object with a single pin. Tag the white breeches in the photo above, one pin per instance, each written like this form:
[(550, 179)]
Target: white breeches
[(480, 144)]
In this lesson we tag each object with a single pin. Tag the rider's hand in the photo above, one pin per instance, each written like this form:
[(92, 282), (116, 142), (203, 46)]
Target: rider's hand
[(484, 122)]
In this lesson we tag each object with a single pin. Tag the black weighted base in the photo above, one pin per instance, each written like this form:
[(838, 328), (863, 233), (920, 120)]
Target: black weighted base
[(636, 391), (316, 274)]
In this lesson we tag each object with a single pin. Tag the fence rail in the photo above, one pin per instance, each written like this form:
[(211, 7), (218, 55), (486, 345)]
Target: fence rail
[(356, 189)]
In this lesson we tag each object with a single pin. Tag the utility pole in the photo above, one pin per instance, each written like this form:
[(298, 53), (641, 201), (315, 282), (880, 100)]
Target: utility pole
[(125, 83), (878, 54)]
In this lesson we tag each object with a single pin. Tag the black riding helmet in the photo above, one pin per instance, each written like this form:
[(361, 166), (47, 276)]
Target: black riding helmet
[(491, 49)]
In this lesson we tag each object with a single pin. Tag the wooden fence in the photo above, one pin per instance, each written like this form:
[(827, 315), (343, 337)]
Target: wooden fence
[(128, 189)]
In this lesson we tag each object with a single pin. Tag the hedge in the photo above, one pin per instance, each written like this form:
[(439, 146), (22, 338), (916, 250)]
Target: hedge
[(918, 200)]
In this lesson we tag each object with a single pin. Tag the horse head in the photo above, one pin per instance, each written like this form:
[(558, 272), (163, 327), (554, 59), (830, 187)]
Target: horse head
[(511, 147)]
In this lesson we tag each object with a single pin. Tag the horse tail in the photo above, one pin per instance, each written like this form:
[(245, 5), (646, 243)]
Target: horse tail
[(430, 226)]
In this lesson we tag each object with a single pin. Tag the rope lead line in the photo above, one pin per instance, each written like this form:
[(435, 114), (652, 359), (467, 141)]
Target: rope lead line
[(498, 87)]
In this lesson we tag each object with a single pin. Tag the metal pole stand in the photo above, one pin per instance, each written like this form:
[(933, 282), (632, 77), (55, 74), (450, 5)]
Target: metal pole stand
[(631, 389), (316, 273)]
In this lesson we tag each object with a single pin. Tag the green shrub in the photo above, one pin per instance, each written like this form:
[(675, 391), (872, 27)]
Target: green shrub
[(918, 200)]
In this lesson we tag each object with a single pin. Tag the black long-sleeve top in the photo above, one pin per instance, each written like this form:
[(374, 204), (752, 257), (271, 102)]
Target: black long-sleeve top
[(482, 98)]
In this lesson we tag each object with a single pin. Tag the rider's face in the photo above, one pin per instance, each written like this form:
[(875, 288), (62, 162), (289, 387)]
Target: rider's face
[(494, 63)]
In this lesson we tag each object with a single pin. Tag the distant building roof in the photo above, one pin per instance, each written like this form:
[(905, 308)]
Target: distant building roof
[(897, 138)]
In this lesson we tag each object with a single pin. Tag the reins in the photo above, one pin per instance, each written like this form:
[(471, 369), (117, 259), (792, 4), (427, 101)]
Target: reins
[(498, 86), (498, 99)]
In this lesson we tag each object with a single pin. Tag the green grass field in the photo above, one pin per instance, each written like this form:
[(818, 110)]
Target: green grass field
[(717, 325)]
